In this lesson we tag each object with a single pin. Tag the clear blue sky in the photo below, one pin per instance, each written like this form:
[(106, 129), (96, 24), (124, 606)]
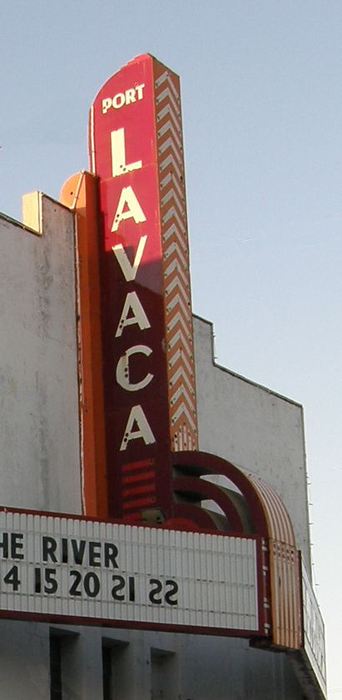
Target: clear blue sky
[(262, 110)]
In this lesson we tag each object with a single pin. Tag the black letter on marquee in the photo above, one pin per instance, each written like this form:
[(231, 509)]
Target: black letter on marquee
[(110, 555), (49, 548), (155, 591)]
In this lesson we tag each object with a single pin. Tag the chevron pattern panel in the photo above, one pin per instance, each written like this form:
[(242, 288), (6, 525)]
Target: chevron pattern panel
[(175, 246)]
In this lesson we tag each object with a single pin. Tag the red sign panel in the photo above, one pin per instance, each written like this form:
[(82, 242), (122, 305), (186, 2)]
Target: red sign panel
[(124, 156)]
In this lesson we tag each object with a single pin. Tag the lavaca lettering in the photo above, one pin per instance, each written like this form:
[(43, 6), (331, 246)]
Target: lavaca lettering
[(132, 314)]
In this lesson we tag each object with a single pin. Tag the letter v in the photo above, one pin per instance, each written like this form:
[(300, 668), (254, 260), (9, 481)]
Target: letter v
[(127, 268), (78, 550)]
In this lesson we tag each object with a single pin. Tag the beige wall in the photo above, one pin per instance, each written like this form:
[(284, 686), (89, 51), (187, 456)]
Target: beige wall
[(255, 429), (39, 425)]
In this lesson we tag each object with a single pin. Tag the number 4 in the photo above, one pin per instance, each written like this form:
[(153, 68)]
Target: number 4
[(12, 578)]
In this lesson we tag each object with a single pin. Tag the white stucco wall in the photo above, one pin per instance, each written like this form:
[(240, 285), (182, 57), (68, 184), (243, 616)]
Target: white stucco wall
[(40, 469), (145, 666), (39, 423), (254, 428)]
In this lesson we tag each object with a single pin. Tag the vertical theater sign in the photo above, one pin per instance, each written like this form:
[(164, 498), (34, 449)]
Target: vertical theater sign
[(136, 151), (147, 552)]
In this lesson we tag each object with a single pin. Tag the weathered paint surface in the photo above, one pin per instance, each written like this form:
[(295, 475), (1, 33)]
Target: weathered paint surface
[(173, 665), (39, 417), (255, 429)]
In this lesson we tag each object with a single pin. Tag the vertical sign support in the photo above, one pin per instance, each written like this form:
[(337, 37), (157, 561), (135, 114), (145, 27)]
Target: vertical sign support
[(80, 193), (136, 152)]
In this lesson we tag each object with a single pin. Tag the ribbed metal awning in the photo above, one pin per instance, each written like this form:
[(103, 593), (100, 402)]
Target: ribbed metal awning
[(251, 506), (278, 520)]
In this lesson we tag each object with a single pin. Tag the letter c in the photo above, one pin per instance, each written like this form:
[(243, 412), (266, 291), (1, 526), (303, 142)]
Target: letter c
[(122, 369)]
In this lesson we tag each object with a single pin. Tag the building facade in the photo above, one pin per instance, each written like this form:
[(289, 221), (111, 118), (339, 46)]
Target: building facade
[(249, 450)]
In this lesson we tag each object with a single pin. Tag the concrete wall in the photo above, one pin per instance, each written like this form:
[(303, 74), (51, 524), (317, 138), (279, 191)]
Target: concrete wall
[(24, 661), (39, 425), (145, 666), (255, 429)]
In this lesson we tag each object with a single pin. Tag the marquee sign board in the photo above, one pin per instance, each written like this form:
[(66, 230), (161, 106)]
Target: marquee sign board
[(148, 367), (82, 571)]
